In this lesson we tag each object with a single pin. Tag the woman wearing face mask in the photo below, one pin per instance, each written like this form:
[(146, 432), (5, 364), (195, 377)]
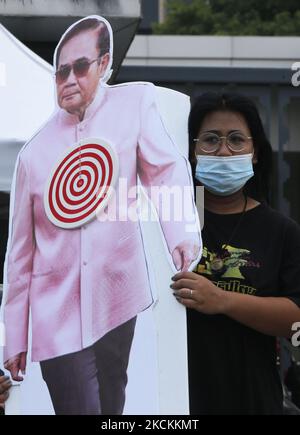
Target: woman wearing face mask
[(246, 289)]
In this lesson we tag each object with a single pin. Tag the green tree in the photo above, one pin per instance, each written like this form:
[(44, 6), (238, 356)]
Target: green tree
[(231, 17)]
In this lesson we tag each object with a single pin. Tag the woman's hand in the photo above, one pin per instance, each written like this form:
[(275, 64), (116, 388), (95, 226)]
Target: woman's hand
[(273, 316), (5, 384), (195, 291)]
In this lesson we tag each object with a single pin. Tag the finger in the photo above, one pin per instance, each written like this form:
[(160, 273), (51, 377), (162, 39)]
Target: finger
[(17, 378), (23, 363), (5, 386), (9, 363), (188, 275), (186, 261), (185, 293), (14, 370), (188, 303), (3, 379), (185, 283), (177, 258), (4, 397)]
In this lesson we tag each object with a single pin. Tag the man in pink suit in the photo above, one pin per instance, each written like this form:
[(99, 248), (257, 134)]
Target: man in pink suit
[(85, 286)]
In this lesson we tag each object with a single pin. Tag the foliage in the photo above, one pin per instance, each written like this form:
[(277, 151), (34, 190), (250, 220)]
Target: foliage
[(231, 17)]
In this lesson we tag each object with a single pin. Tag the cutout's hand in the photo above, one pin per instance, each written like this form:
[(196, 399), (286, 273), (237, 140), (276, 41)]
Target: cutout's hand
[(184, 254), (15, 364)]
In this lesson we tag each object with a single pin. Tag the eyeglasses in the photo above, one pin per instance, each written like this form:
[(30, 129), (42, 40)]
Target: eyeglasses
[(211, 142), (80, 68)]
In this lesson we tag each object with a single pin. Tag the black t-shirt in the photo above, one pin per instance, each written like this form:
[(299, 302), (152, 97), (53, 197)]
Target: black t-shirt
[(232, 368)]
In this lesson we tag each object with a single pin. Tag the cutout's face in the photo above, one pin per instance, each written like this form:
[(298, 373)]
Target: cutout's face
[(80, 70)]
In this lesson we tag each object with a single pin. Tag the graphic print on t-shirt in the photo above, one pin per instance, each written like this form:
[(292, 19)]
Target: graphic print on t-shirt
[(231, 277)]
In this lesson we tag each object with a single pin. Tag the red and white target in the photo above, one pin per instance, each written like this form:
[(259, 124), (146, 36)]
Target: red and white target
[(81, 183)]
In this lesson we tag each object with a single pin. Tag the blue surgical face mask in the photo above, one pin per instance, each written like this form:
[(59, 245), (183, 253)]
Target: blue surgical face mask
[(224, 175)]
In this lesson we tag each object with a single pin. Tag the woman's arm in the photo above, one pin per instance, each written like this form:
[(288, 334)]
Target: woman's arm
[(268, 315)]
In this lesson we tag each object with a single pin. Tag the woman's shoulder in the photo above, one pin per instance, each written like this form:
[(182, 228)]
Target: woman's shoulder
[(277, 220)]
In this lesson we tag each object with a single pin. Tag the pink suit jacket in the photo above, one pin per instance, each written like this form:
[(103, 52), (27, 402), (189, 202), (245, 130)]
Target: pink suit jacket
[(81, 283)]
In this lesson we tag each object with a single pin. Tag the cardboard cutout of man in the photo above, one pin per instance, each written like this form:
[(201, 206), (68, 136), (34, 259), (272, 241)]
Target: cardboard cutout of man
[(86, 285)]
